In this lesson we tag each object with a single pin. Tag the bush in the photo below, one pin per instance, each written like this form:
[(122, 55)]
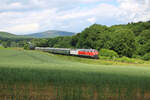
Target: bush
[(137, 56), (26, 47), (146, 56), (5, 44), (108, 53), (126, 59)]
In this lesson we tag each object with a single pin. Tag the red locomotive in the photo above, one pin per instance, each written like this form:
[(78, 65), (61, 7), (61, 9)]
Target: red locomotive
[(85, 52)]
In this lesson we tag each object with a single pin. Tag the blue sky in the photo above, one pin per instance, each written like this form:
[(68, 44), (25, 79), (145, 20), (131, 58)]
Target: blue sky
[(31, 16)]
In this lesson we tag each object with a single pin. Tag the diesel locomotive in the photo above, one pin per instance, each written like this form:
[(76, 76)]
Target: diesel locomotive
[(75, 52)]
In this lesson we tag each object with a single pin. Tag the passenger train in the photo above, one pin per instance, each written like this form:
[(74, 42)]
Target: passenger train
[(75, 52)]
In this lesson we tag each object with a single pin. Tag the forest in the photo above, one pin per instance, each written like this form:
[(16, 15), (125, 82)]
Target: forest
[(131, 40)]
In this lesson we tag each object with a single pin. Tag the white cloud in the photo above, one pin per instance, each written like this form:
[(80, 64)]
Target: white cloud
[(11, 6), (23, 28), (12, 19), (101, 10), (92, 20), (134, 10)]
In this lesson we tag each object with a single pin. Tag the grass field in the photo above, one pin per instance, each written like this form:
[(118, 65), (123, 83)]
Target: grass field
[(37, 75)]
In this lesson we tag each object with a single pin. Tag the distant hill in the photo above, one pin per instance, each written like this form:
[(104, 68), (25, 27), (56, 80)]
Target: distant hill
[(50, 34), (46, 34), (6, 35)]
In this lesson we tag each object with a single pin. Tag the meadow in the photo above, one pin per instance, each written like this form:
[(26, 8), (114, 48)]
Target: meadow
[(38, 75)]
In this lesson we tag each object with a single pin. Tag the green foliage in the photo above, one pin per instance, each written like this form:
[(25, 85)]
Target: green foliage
[(43, 43), (146, 56), (64, 42), (143, 49), (74, 40), (126, 60), (27, 46), (90, 36), (104, 40), (108, 53), (144, 36), (136, 56), (124, 42), (5, 44), (137, 28), (123, 60), (143, 42)]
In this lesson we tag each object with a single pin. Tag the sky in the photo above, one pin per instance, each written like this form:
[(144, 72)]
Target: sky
[(31, 16)]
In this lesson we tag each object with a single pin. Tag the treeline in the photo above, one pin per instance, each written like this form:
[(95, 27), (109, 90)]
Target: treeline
[(14, 42), (130, 40)]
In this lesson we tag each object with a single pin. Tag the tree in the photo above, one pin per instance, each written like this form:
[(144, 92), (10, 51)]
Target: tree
[(144, 37), (90, 36), (41, 42), (143, 42), (74, 40), (143, 49), (13, 44), (146, 56), (104, 40), (64, 42), (26, 46), (123, 41), (4, 44)]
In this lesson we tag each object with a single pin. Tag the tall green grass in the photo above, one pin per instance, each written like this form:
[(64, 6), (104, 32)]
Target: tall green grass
[(43, 70)]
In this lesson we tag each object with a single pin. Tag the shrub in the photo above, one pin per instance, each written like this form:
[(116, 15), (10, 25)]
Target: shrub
[(26, 47), (126, 59), (108, 53), (146, 56), (137, 56)]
